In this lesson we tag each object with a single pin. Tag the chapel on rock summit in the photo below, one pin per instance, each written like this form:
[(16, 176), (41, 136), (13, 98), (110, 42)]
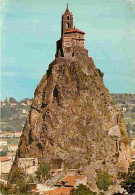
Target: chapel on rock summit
[(72, 39)]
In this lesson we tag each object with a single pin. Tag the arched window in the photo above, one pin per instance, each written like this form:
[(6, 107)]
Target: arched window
[(67, 26), (67, 17)]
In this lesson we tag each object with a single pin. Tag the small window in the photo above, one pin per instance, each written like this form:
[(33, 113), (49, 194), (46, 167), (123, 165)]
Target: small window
[(33, 163), (67, 26), (68, 50), (117, 146), (67, 17)]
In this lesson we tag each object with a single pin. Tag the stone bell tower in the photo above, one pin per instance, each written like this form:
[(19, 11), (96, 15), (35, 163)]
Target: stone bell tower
[(67, 21), (72, 39)]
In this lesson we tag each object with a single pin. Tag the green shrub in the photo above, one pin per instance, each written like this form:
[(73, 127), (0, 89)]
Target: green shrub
[(82, 190), (117, 155), (5, 189), (17, 174), (128, 182), (125, 140), (43, 170), (103, 180), (21, 187)]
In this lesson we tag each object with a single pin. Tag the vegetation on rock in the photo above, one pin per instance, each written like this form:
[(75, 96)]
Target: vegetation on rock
[(128, 182), (43, 170), (103, 180), (82, 190), (123, 130), (18, 183), (17, 174)]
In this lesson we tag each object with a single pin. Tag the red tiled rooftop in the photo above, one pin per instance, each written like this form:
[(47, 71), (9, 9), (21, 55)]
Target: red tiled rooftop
[(60, 191), (13, 145), (70, 180), (132, 138), (73, 30), (35, 190), (132, 152), (3, 140), (4, 158)]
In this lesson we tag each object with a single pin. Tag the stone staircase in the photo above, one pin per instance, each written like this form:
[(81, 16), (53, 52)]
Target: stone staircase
[(56, 177)]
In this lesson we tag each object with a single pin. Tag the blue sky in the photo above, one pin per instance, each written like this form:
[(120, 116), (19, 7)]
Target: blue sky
[(30, 29)]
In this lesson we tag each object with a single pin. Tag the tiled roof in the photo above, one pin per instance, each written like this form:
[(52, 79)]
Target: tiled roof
[(72, 30), (132, 138), (13, 146), (70, 180), (35, 190), (3, 140), (60, 191), (4, 158)]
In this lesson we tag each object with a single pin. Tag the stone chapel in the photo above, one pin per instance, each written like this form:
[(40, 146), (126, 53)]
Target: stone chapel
[(72, 39)]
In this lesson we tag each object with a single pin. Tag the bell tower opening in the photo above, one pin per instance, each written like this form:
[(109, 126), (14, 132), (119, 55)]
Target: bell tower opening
[(67, 26), (67, 20)]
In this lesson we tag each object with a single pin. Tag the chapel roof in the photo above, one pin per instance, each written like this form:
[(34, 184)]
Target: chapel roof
[(73, 30)]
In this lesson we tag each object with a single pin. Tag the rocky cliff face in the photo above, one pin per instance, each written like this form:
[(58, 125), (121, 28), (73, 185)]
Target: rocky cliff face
[(73, 121)]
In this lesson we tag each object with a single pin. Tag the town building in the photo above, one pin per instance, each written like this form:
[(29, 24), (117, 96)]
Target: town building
[(59, 191), (28, 165), (11, 155), (24, 111), (12, 147), (18, 134), (124, 109), (3, 142), (13, 104), (1, 149), (132, 152), (29, 101), (5, 165), (72, 39), (132, 142), (2, 103), (66, 184), (23, 104), (7, 134)]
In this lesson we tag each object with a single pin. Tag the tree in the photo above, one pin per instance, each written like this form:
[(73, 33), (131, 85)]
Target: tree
[(19, 181), (6, 111), (17, 174), (103, 180), (12, 100), (128, 182), (6, 189), (43, 170), (21, 187), (133, 128), (82, 190), (133, 110)]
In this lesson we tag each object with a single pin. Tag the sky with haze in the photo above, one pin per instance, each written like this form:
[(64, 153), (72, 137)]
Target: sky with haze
[(30, 29)]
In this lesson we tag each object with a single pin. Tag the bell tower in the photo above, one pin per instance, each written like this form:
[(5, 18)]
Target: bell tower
[(71, 38), (67, 20)]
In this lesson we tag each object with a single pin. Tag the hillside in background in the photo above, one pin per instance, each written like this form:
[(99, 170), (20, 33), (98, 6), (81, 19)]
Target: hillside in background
[(13, 116)]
